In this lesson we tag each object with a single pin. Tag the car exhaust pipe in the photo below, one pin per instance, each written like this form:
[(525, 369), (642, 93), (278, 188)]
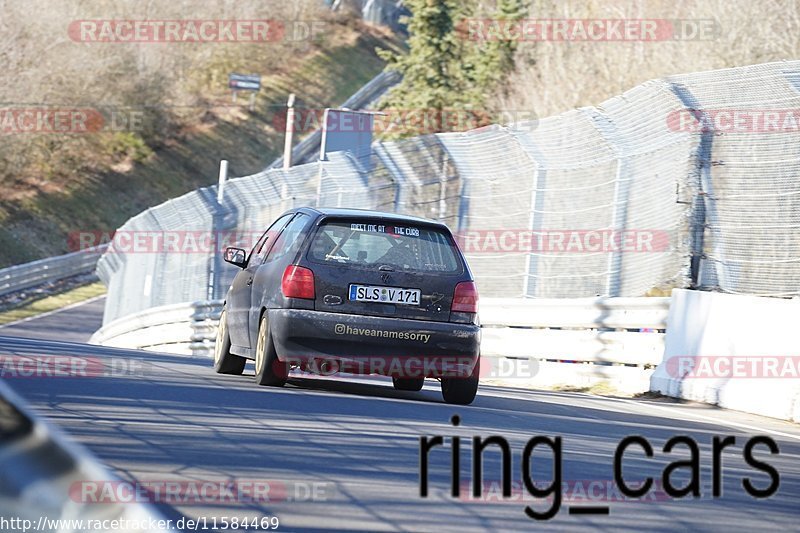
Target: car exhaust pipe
[(325, 367)]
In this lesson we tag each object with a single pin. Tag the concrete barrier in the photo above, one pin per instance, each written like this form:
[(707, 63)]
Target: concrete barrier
[(737, 352)]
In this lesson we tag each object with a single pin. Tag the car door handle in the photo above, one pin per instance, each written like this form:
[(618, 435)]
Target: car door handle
[(249, 282)]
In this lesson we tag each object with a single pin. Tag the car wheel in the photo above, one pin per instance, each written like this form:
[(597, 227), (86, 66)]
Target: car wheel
[(269, 371), (459, 390), (408, 384), (224, 361)]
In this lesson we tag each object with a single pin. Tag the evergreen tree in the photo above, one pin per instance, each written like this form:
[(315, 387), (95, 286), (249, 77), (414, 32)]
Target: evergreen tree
[(495, 59), (444, 71)]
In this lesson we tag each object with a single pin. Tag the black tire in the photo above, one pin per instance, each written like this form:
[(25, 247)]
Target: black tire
[(461, 390), (269, 371), (224, 361), (408, 384)]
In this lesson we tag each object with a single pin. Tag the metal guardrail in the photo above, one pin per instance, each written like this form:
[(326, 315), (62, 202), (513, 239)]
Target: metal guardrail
[(621, 331), (308, 148), (41, 470), (19, 277), (621, 339), (188, 328)]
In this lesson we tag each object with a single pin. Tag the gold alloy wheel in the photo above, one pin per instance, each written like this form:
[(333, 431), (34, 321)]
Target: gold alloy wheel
[(221, 331), (260, 347)]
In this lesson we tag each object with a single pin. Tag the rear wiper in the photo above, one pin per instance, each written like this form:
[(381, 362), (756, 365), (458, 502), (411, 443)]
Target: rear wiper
[(385, 268)]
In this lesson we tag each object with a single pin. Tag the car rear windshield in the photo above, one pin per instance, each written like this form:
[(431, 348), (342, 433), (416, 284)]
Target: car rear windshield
[(402, 247)]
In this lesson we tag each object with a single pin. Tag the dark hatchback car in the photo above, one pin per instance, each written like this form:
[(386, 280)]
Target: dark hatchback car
[(355, 291)]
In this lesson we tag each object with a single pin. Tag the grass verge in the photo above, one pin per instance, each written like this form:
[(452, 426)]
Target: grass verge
[(102, 188), (602, 388)]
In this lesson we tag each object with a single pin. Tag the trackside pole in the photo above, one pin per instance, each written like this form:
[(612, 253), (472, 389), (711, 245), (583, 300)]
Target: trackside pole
[(287, 147), (223, 177)]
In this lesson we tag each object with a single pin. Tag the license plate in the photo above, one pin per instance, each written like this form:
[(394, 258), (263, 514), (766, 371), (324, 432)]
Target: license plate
[(389, 295)]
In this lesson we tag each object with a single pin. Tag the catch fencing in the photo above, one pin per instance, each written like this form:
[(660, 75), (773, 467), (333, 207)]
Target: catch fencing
[(539, 206)]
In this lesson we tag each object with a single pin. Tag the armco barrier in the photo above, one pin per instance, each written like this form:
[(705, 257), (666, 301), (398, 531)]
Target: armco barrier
[(708, 334), (575, 342), (578, 342), (187, 329), (39, 468), (19, 277)]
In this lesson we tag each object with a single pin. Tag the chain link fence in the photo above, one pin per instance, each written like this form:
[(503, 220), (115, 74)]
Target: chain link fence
[(648, 191)]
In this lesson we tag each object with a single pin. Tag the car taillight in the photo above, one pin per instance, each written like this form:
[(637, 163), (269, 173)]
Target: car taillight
[(465, 298), (298, 282)]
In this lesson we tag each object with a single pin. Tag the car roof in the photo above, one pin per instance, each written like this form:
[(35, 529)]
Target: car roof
[(341, 212)]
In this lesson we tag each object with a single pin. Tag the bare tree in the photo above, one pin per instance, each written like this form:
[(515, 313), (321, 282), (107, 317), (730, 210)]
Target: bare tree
[(555, 76)]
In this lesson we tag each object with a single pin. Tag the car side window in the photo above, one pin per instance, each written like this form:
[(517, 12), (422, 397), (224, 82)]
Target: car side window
[(262, 246), (289, 240)]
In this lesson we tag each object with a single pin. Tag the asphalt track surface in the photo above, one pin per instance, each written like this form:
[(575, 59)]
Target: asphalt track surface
[(74, 323), (169, 418)]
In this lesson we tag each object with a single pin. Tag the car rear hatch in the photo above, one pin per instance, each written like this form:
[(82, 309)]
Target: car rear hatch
[(384, 268)]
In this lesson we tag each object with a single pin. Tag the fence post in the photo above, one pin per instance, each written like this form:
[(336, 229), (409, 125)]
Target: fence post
[(215, 262), (223, 177), (287, 147), (704, 212), (323, 154), (284, 195), (529, 282), (622, 182), (443, 189)]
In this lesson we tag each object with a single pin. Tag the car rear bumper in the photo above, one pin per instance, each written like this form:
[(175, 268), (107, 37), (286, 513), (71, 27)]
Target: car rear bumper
[(374, 345)]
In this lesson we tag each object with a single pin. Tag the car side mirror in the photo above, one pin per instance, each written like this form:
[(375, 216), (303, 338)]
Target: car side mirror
[(236, 256)]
